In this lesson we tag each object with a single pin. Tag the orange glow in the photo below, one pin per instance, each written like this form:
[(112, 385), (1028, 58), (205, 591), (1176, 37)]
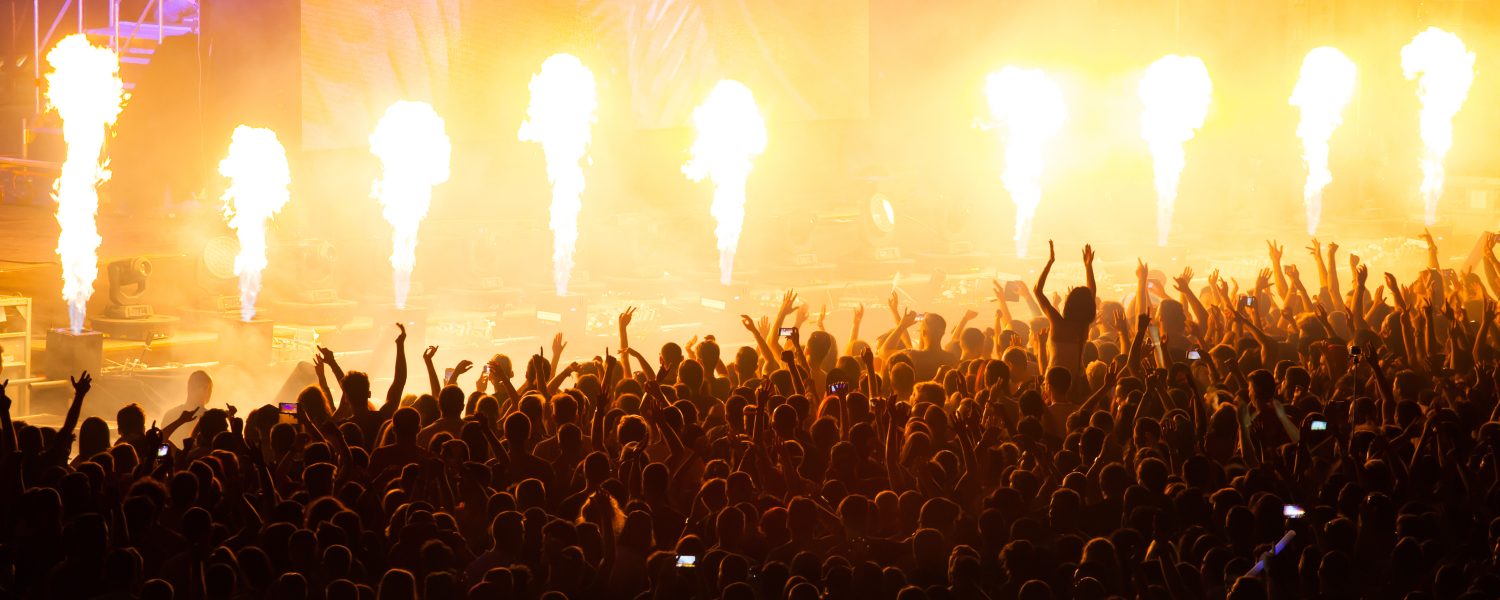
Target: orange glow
[(731, 133), (85, 88), (563, 101), (1176, 92), (1322, 92), (1445, 70), (1030, 109), (413, 148), (258, 179)]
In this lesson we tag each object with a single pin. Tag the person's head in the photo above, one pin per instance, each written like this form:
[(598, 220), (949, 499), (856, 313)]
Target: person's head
[(131, 420), (93, 437), (933, 328), (451, 402), (200, 388), (356, 386), (405, 423), (1059, 381), (1079, 307)]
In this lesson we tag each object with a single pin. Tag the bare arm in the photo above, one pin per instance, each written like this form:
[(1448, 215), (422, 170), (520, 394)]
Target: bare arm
[(859, 315), (1040, 291), (1333, 278), (1088, 269), (1276, 251), (1432, 250), (432, 378), (398, 384)]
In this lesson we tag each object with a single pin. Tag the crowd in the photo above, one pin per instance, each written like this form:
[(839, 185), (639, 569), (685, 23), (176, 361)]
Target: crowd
[(1186, 443)]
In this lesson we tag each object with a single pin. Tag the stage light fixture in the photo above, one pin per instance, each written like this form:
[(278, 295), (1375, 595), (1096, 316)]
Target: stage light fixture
[(216, 276), (127, 285)]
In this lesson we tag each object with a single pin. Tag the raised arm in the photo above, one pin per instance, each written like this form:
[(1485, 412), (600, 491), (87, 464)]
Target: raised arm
[(1040, 291), (398, 384), (1316, 250), (1334, 290), (1141, 304), (1432, 250), (767, 353), (432, 378), (624, 321), (859, 316), (1184, 284), (62, 442), (1088, 268), (788, 306), (1276, 251), (7, 430)]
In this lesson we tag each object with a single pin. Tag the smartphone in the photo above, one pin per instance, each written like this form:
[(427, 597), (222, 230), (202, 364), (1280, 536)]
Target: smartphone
[(1318, 425), (1355, 351), (1194, 354), (1292, 511), (288, 408), (1249, 301), (686, 561), (921, 317), (838, 387), (162, 450), (788, 331), (448, 373)]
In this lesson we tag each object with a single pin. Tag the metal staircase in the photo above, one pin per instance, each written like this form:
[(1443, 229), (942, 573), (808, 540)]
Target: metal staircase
[(135, 41)]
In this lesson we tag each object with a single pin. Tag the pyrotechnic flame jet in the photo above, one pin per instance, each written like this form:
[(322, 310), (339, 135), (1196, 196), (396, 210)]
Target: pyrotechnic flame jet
[(1176, 92), (1446, 70), (1323, 90), (563, 102), (85, 88), (1030, 109), (258, 178), (731, 133), (413, 149)]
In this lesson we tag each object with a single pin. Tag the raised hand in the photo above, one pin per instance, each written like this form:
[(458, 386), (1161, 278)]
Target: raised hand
[(822, 314), (749, 324), (999, 290), (1051, 252), (1361, 274), (907, 320), (1353, 261), (82, 384), (1333, 248), (764, 325), (894, 303), (1291, 271), (1141, 270), (401, 338), (1263, 280), (326, 354), (462, 367), (859, 312), (1275, 249), (430, 352), (802, 313), (558, 345), (1185, 280), (1088, 255), (1427, 237), (1390, 282), (626, 316), (788, 303), (1316, 249)]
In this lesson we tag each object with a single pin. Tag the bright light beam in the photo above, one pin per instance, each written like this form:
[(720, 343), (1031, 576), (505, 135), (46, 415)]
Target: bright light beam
[(1030, 109), (1323, 90), (1444, 69), (1176, 92), (258, 178), (413, 148), (731, 133), (563, 102), (85, 88)]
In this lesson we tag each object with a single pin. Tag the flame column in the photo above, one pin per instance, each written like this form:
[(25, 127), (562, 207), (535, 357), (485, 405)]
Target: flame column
[(258, 179), (731, 133), (1444, 69), (413, 148), (1030, 107), (563, 102), (1175, 93), (85, 88)]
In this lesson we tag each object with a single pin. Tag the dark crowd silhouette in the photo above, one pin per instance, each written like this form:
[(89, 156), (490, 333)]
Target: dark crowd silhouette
[(1184, 442)]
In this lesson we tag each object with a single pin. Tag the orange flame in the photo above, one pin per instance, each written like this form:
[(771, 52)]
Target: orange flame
[(258, 178)]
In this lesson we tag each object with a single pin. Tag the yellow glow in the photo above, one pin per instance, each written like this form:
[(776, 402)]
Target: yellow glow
[(1176, 92), (1446, 70), (563, 102), (413, 149), (1323, 90), (85, 88), (1030, 109), (731, 133), (258, 178)]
